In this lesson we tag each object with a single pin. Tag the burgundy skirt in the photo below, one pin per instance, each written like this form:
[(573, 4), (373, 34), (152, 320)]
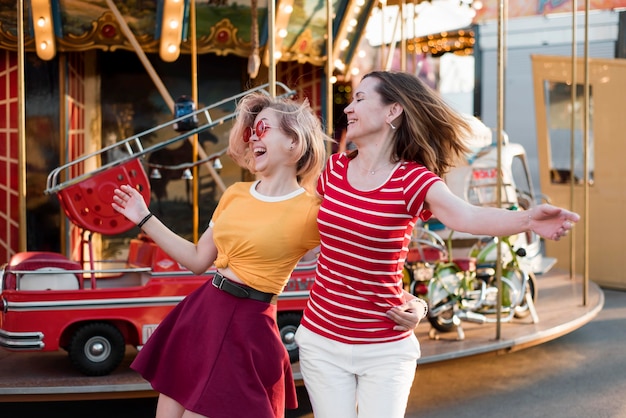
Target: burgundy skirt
[(220, 356)]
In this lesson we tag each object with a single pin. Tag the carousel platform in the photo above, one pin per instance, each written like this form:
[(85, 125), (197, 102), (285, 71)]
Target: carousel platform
[(26, 377)]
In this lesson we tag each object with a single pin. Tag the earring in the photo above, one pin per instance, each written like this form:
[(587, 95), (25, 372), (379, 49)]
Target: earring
[(391, 124)]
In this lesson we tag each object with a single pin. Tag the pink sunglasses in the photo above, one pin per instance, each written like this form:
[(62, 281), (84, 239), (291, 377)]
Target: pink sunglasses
[(259, 130)]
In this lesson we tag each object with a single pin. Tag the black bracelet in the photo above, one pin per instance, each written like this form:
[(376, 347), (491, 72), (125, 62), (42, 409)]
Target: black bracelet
[(144, 220)]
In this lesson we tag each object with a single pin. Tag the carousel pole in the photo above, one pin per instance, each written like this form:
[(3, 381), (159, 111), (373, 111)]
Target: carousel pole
[(271, 40), (21, 129), (586, 160), (502, 11), (402, 36), (329, 72), (572, 157), (383, 4), (194, 97)]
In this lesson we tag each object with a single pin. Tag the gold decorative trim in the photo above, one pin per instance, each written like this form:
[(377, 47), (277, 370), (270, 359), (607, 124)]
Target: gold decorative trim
[(305, 49), (222, 40), (8, 41), (105, 34)]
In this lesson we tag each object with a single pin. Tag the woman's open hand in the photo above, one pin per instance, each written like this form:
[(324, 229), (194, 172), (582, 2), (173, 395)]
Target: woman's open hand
[(551, 222), (129, 202)]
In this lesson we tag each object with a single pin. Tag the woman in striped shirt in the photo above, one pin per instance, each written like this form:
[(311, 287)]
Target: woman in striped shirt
[(358, 351)]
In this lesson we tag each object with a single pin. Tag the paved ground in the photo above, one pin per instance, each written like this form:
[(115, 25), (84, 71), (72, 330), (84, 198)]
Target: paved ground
[(580, 374)]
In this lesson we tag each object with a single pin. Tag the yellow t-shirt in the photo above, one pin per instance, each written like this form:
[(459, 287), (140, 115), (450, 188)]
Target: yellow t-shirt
[(261, 238)]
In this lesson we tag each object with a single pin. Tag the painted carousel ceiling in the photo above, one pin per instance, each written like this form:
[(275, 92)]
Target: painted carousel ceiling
[(222, 27)]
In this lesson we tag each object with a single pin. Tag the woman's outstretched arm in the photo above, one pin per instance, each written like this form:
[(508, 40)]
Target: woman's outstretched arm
[(196, 257), (548, 221)]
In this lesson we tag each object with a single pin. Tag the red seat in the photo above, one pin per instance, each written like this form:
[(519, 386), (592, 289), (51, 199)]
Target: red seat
[(88, 203), (424, 254), (35, 260)]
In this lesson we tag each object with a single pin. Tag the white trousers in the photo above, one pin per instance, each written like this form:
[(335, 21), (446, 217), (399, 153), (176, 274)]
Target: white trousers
[(357, 380)]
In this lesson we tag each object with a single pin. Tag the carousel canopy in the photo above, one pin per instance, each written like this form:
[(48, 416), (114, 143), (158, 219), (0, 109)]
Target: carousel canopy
[(299, 28), (222, 27)]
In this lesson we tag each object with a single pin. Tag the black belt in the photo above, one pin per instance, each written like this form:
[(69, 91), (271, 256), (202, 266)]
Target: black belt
[(241, 290)]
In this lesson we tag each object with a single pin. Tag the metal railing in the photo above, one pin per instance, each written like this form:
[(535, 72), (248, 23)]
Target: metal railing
[(133, 148)]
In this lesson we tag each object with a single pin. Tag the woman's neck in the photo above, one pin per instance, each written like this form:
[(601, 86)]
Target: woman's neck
[(373, 158), (276, 186)]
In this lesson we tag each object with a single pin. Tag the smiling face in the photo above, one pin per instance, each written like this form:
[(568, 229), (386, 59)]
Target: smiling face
[(366, 113), (268, 144)]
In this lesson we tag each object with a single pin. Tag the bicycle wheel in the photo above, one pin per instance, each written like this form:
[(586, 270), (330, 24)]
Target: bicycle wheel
[(523, 310), (442, 300)]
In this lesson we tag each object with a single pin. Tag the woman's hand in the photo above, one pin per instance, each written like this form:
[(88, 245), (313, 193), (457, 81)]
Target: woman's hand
[(408, 315), (129, 202), (551, 222)]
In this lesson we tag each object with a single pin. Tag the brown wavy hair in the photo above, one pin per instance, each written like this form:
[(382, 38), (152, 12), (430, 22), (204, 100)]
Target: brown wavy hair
[(429, 131)]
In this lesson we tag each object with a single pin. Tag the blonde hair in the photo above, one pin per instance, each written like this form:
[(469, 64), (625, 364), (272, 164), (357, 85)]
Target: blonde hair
[(297, 120), (429, 131)]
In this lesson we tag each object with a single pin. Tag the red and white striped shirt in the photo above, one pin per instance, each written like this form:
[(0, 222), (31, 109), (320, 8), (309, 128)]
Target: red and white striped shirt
[(364, 243)]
